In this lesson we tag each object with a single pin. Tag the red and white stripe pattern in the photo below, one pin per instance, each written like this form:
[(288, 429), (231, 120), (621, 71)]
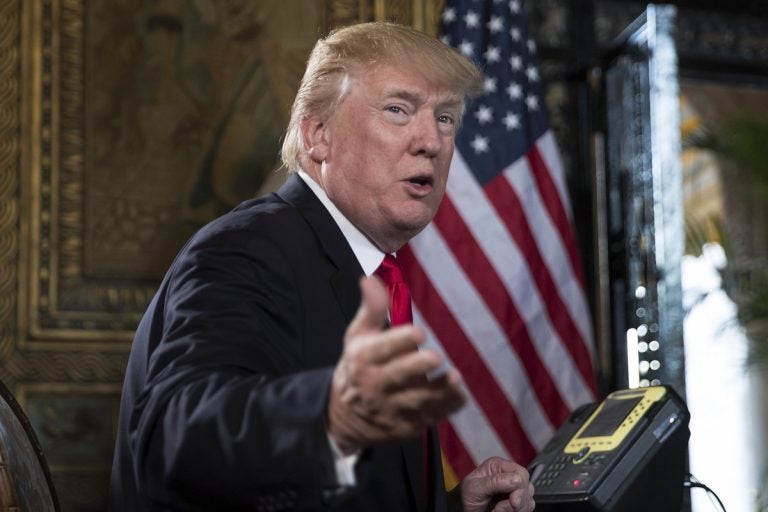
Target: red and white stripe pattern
[(496, 279), (496, 283)]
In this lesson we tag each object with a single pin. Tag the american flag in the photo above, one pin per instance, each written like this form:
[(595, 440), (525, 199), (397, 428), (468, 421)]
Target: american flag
[(496, 278)]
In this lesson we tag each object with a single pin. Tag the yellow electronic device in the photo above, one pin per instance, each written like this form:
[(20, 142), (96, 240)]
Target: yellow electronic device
[(613, 420), (625, 454)]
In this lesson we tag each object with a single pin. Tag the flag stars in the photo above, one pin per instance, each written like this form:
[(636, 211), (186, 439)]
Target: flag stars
[(532, 73), (489, 85), (495, 24), (532, 102), (466, 48), (511, 121), (492, 54), (484, 114), (479, 144), (472, 19), (517, 87), (514, 91)]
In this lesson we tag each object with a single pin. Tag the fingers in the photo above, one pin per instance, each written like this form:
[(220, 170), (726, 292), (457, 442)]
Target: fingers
[(405, 414), (506, 506), (518, 501), (391, 352), (397, 394), (415, 369), (428, 401), (380, 390), (372, 314), (381, 346), (360, 416), (501, 483), (503, 469)]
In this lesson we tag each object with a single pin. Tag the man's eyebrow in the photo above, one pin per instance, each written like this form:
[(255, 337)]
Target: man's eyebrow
[(452, 101), (410, 96)]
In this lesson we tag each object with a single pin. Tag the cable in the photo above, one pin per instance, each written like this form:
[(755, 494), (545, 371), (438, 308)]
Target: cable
[(692, 482)]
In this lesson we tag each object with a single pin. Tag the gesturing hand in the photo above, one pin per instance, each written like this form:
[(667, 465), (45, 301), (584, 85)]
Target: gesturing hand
[(380, 391), (497, 485)]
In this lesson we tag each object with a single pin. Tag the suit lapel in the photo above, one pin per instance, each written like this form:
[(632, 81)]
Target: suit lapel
[(346, 288), (345, 281)]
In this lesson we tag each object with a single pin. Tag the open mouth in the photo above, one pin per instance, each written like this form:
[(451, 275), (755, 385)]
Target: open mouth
[(421, 181)]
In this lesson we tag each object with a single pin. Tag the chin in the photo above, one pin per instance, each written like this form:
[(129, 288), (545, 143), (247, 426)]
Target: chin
[(413, 228), (419, 214)]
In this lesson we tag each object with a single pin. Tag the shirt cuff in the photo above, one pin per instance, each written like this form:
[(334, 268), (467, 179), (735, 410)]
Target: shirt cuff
[(344, 464)]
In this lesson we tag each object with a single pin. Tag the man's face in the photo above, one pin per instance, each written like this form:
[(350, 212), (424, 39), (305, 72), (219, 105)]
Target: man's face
[(386, 151)]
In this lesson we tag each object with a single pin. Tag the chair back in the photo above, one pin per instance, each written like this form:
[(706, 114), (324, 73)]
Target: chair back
[(25, 480)]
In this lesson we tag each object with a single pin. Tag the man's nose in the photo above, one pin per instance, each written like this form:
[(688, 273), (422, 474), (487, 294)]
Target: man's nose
[(426, 138)]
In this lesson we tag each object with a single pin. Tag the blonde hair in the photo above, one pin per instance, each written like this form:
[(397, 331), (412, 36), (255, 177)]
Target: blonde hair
[(347, 50)]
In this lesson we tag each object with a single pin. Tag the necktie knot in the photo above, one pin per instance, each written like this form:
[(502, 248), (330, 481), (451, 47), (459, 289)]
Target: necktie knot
[(389, 271), (399, 295)]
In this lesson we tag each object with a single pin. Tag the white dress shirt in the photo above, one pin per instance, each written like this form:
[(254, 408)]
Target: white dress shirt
[(370, 257)]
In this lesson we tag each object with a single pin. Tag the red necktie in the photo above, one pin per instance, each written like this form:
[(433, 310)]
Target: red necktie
[(400, 313), (399, 295)]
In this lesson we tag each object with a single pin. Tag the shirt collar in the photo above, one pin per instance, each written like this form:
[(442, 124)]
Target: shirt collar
[(368, 255)]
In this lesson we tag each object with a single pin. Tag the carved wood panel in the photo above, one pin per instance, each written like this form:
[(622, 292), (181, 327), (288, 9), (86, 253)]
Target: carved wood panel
[(118, 123)]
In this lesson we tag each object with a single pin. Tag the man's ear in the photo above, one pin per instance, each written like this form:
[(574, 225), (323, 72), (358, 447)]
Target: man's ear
[(314, 135)]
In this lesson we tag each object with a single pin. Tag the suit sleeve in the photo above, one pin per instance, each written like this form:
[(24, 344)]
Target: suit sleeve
[(228, 416)]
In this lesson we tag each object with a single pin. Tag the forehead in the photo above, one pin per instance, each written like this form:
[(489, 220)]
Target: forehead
[(384, 81)]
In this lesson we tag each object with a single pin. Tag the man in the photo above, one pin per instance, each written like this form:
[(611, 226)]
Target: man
[(263, 375)]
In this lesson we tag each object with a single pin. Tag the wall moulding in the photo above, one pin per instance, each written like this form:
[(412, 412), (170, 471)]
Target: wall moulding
[(125, 126), (122, 157), (102, 189)]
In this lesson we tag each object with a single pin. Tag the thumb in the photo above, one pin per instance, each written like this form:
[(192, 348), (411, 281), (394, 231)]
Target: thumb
[(374, 304)]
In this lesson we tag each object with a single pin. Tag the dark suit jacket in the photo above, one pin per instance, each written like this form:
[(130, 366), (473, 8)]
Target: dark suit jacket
[(223, 406)]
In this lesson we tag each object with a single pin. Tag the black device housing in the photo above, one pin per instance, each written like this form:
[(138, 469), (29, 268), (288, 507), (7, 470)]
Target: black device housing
[(645, 472)]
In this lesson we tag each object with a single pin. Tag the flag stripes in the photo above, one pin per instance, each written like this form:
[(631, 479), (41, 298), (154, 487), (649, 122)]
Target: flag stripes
[(470, 422), (489, 286), (461, 462), (486, 391), (563, 325), (559, 253), (480, 332), (496, 278), (492, 231)]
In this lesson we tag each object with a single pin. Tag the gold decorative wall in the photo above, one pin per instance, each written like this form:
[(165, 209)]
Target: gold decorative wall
[(124, 126)]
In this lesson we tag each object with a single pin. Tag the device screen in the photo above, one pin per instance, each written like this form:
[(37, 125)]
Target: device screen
[(610, 417)]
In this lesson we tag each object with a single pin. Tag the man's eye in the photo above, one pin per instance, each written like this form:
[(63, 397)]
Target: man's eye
[(395, 109), (446, 119)]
